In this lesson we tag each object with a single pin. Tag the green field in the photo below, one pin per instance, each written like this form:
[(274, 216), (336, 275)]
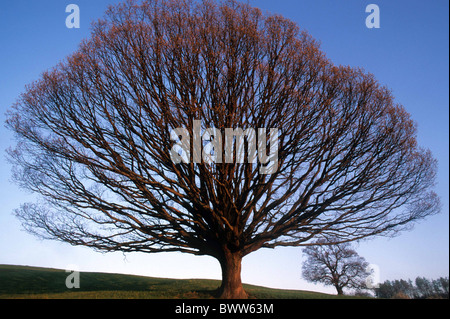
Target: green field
[(44, 283)]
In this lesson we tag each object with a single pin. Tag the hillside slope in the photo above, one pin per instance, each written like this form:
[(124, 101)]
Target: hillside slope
[(36, 282)]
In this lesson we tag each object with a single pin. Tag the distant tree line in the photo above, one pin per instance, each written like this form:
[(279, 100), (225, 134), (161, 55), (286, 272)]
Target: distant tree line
[(422, 288)]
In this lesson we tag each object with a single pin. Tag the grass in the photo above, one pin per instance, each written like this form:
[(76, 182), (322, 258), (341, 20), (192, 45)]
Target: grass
[(23, 282)]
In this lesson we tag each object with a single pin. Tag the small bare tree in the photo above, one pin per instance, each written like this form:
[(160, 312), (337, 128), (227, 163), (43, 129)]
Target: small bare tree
[(96, 137), (336, 265)]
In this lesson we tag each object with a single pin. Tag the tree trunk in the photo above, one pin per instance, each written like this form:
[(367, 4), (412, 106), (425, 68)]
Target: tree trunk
[(340, 292), (231, 287)]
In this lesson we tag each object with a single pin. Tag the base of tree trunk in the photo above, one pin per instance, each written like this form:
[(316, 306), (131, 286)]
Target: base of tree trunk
[(231, 293), (339, 290), (231, 287)]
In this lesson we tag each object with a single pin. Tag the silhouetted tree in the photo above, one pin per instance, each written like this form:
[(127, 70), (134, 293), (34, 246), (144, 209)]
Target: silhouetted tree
[(443, 281), (404, 287), (337, 265), (385, 290), (424, 287), (96, 139)]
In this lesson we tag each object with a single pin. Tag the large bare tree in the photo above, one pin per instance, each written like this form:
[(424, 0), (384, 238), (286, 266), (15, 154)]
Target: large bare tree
[(95, 139)]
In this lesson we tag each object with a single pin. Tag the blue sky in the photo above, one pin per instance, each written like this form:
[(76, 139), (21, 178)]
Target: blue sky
[(409, 53)]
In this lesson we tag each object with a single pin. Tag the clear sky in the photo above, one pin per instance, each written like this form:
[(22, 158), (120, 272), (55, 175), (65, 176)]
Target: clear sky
[(409, 53)]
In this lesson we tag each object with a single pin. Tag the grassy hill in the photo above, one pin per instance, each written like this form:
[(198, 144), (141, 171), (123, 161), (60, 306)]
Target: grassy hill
[(47, 283)]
